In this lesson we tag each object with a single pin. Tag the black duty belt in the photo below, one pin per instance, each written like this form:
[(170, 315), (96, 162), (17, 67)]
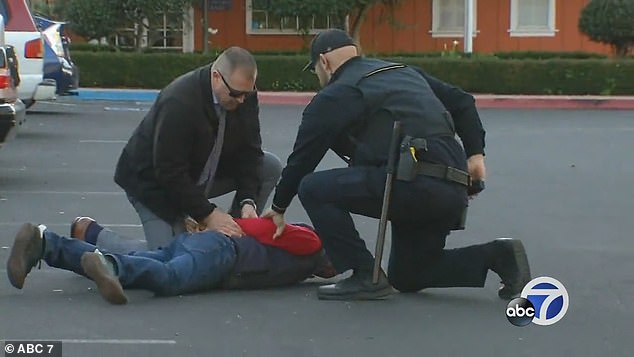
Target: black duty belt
[(444, 172)]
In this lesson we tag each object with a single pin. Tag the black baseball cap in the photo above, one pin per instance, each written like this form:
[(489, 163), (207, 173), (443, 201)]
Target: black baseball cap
[(325, 42)]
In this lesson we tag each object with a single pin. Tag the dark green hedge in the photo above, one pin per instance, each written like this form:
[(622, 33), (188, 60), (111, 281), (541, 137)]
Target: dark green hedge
[(546, 55), (283, 73)]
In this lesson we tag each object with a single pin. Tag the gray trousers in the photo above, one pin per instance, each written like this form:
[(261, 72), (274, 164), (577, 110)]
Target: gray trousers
[(159, 233)]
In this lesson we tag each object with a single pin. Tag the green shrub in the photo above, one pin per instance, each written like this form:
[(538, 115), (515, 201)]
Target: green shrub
[(610, 22), (546, 55), (83, 46), (554, 76), (283, 73)]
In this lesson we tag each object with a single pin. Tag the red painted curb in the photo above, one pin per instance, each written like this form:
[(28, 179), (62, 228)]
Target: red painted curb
[(489, 101), (554, 102), (285, 98)]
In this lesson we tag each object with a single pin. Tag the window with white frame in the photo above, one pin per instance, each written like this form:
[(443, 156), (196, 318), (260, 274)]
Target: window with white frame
[(532, 18), (169, 33), (262, 21), (448, 18), (165, 32)]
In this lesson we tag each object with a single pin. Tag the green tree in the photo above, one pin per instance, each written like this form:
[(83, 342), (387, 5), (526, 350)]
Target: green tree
[(610, 22), (356, 10), (306, 10), (55, 11), (93, 19)]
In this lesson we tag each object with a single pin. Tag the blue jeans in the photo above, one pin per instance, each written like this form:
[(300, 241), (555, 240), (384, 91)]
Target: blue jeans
[(191, 263)]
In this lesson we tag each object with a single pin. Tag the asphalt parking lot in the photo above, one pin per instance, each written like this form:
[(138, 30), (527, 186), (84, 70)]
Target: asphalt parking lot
[(559, 180)]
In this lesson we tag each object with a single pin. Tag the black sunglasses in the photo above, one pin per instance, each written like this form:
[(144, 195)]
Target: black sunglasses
[(234, 93)]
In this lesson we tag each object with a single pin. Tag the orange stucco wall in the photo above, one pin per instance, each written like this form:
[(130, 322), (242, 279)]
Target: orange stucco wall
[(232, 31), (411, 32)]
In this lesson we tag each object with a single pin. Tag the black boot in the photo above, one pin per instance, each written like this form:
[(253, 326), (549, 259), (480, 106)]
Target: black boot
[(511, 264), (27, 250), (359, 286)]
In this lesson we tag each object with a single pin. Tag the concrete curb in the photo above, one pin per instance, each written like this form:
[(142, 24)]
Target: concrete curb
[(483, 101)]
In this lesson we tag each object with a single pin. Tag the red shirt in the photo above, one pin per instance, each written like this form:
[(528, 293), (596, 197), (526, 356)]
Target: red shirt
[(295, 239)]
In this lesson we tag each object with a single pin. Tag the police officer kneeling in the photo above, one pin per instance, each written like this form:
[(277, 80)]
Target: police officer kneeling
[(353, 115)]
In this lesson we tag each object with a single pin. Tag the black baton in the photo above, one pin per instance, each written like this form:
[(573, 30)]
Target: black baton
[(387, 193)]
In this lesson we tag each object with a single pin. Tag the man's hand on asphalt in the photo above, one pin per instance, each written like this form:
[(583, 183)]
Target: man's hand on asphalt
[(278, 219), (223, 223)]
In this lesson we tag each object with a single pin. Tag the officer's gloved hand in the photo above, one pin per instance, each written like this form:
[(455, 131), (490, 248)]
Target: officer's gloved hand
[(278, 219)]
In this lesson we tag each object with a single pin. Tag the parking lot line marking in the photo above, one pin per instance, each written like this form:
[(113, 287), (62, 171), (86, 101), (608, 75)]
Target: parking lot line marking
[(108, 342), (57, 103), (103, 141), (40, 271), (57, 170), (122, 342), (113, 225), (125, 109), (95, 193)]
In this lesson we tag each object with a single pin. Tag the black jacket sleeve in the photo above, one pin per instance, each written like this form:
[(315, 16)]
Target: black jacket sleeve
[(329, 113), (463, 110), (172, 148), (250, 158)]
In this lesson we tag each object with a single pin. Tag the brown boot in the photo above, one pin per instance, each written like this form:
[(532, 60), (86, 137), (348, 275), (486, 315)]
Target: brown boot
[(79, 226), (109, 287), (26, 252)]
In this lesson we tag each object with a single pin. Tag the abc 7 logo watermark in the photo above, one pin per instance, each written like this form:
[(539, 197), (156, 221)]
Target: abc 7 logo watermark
[(543, 301)]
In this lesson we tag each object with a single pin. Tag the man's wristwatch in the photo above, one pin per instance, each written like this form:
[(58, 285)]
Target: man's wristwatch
[(248, 201), (277, 209)]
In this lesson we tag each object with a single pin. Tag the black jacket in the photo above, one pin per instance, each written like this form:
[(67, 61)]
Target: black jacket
[(167, 152), (353, 115)]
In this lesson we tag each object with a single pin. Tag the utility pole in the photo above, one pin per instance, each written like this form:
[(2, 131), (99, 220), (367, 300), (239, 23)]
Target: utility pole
[(468, 26), (205, 27)]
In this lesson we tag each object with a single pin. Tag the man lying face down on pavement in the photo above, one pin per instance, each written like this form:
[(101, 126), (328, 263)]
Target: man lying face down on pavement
[(194, 261)]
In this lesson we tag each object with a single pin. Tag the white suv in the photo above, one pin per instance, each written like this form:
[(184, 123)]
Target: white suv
[(11, 108), (22, 33)]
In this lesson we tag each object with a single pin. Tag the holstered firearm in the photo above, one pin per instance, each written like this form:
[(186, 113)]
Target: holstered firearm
[(409, 167), (407, 159)]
